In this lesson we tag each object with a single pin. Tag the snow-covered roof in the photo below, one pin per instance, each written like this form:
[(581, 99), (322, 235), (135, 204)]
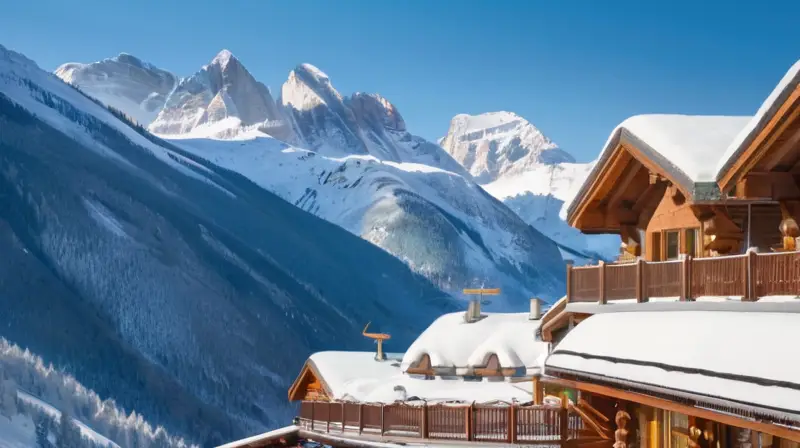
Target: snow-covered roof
[(765, 113), (720, 357), (358, 376), (453, 343), (687, 147)]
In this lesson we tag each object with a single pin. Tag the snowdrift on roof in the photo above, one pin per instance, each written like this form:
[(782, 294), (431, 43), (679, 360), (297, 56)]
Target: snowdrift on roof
[(723, 361)]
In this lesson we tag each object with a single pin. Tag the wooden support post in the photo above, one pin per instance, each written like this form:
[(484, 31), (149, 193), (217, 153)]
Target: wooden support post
[(512, 423), (382, 419), (424, 426), (602, 281), (640, 284), (538, 391), (686, 278), (344, 421), (360, 418), (328, 420), (468, 411), (569, 282), (750, 288), (313, 405)]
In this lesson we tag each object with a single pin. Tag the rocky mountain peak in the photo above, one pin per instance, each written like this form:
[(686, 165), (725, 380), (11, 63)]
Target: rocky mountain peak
[(494, 144), (222, 94)]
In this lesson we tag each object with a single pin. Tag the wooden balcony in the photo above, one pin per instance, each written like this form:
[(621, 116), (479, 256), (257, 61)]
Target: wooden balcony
[(479, 424), (749, 277)]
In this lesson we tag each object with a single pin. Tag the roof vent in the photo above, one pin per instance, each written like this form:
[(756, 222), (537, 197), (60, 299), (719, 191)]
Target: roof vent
[(473, 313), (536, 309)]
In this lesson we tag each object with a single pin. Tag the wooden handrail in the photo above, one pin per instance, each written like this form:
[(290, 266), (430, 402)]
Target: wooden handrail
[(748, 276), (468, 422)]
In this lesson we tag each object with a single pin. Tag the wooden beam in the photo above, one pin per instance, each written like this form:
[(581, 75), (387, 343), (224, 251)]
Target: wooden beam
[(773, 185), (622, 185), (790, 133), (590, 420), (660, 403), (758, 147)]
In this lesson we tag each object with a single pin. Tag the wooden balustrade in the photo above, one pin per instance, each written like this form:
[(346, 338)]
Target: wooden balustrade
[(530, 425), (748, 276)]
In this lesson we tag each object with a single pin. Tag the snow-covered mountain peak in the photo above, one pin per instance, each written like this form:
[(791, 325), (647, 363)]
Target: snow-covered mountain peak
[(309, 87), (123, 82), (12, 57), (495, 144), (314, 72), (222, 92), (223, 58), (373, 107)]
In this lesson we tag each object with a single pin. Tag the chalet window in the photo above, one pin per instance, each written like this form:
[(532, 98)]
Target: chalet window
[(672, 244), (674, 430)]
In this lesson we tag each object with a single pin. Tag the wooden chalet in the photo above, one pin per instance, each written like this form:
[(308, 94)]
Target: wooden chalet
[(667, 342)]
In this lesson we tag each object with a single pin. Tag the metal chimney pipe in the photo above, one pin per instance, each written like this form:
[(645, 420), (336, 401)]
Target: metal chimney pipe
[(536, 309)]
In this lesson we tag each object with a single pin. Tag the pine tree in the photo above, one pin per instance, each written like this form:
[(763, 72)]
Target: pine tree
[(42, 430), (8, 398), (69, 435)]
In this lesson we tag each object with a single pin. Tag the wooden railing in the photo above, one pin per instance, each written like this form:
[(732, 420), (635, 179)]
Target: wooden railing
[(531, 425), (749, 276)]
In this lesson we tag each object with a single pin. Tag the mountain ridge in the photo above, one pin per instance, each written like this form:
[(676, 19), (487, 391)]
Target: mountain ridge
[(369, 175)]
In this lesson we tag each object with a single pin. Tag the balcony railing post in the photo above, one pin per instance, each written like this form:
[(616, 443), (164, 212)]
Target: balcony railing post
[(750, 276), (468, 422), (360, 418), (328, 420), (602, 281), (512, 423), (313, 405), (383, 419), (424, 431), (344, 421), (569, 282), (640, 295), (686, 278)]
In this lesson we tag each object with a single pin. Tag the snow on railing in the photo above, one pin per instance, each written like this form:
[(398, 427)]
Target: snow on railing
[(749, 276), (537, 424)]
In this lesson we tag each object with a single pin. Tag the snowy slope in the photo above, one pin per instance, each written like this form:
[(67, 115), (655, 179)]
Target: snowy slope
[(123, 82), (441, 224), (520, 166), (173, 269), (55, 414), (17, 432)]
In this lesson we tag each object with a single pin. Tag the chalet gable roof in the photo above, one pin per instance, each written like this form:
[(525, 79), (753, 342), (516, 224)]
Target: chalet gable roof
[(357, 376), (685, 149)]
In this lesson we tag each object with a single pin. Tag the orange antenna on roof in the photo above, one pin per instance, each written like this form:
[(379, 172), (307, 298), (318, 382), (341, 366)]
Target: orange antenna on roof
[(378, 338)]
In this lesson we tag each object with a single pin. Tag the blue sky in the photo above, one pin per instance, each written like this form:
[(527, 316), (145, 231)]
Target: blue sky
[(573, 68)]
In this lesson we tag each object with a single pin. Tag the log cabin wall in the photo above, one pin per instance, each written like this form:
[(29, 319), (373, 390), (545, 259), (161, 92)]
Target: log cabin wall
[(765, 220), (670, 216)]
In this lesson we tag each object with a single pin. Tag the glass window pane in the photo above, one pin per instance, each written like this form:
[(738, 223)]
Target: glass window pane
[(672, 245)]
